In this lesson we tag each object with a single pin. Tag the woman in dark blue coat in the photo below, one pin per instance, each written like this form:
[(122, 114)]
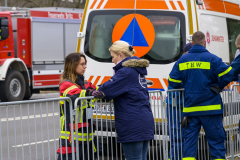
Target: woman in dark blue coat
[(128, 88)]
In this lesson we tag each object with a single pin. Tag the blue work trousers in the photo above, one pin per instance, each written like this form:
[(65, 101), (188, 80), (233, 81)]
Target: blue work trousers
[(135, 150), (215, 134), (174, 115)]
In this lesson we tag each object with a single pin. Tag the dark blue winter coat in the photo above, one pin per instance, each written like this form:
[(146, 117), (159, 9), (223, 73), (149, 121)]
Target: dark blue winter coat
[(236, 66), (128, 88), (197, 71)]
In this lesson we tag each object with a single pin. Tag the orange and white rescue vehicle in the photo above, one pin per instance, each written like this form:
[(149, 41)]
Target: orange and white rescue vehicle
[(158, 31), (33, 45)]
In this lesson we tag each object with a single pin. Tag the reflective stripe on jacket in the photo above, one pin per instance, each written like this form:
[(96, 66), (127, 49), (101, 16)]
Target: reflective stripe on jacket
[(197, 71)]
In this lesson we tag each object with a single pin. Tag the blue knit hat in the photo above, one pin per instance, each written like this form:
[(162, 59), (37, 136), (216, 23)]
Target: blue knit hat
[(187, 47)]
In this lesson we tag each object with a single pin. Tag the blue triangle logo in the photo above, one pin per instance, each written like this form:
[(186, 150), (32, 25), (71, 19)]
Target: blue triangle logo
[(139, 39)]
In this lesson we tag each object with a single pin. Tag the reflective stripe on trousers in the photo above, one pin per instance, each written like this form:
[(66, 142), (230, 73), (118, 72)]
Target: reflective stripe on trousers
[(81, 137)]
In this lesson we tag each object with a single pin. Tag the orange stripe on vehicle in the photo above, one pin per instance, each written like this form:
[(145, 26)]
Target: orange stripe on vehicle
[(105, 79), (199, 7), (90, 78), (151, 4), (96, 81), (180, 5), (93, 4), (165, 81), (173, 5), (156, 83), (100, 4), (124, 4), (232, 8), (214, 5)]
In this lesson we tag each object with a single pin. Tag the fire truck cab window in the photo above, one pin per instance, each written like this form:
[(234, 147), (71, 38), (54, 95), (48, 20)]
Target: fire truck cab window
[(233, 32), (4, 31), (170, 35)]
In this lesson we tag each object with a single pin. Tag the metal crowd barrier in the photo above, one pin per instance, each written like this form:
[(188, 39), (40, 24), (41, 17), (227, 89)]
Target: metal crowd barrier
[(31, 129), (231, 116)]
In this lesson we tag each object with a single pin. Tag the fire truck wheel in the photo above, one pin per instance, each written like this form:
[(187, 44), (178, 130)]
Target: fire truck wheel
[(14, 87)]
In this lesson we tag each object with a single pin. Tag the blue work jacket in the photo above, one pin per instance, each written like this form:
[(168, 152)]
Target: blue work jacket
[(128, 88), (197, 71)]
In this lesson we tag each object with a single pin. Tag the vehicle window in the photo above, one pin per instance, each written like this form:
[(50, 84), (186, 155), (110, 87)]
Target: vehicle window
[(4, 31), (170, 35), (101, 35), (233, 32), (167, 39)]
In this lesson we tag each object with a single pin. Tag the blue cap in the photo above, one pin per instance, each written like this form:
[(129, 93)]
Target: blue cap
[(187, 47)]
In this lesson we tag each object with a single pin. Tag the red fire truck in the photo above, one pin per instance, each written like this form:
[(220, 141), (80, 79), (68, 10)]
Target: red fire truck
[(33, 45)]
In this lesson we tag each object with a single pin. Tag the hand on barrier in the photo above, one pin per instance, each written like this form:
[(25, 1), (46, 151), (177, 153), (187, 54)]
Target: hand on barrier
[(185, 121), (216, 89), (98, 94)]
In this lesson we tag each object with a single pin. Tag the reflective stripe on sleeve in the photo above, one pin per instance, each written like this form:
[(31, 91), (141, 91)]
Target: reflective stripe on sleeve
[(194, 65), (202, 108), (189, 158), (67, 90), (225, 72), (174, 80)]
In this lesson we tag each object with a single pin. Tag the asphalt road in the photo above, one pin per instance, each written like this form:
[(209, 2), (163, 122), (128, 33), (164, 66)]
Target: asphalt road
[(35, 135)]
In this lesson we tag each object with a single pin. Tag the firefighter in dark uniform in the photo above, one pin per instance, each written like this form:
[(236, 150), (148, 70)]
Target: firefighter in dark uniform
[(73, 85), (203, 75)]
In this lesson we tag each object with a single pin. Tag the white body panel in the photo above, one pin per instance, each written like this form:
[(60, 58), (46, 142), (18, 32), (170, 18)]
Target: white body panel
[(202, 20)]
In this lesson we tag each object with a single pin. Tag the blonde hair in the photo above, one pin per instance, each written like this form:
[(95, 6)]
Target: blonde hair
[(123, 47), (238, 40), (70, 65)]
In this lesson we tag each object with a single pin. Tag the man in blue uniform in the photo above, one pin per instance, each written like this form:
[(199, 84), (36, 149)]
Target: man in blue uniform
[(203, 75)]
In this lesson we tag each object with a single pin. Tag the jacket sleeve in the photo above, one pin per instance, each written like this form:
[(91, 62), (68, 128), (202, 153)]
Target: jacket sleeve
[(225, 73), (236, 66), (91, 86), (175, 79), (68, 89), (116, 85)]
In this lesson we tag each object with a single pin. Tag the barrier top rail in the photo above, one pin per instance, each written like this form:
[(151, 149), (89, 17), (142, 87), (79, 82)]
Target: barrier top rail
[(233, 85), (174, 90), (82, 98), (34, 101)]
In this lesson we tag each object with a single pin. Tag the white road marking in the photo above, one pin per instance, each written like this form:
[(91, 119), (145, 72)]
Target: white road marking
[(33, 143), (30, 117)]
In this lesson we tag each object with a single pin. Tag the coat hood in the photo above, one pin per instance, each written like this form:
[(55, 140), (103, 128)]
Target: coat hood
[(134, 62)]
